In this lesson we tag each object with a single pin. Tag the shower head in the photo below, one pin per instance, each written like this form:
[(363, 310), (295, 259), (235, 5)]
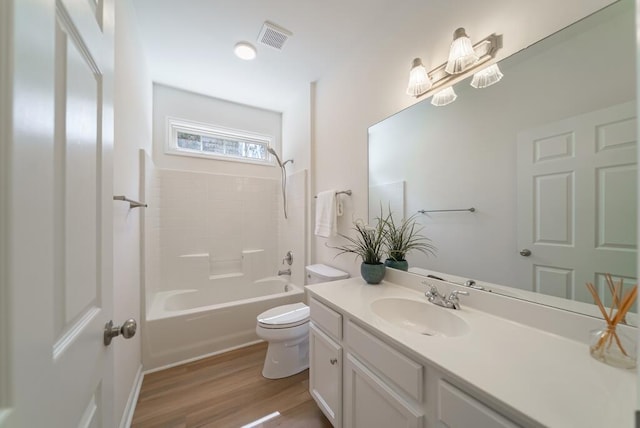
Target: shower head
[(273, 152)]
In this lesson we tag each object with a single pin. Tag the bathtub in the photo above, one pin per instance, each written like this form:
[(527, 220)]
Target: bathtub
[(186, 324)]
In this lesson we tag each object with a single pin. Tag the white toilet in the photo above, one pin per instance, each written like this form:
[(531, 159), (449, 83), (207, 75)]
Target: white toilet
[(286, 328)]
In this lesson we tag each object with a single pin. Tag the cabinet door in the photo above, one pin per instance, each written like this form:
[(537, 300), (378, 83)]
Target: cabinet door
[(370, 403), (325, 374), (456, 409)]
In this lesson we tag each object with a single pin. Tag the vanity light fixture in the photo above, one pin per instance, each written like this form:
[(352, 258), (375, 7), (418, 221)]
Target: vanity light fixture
[(461, 53), (487, 77), (444, 97), (462, 64), (245, 50), (419, 81)]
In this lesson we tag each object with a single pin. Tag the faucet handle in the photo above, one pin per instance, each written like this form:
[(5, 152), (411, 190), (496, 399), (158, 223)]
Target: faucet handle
[(433, 290), (454, 299), (455, 293)]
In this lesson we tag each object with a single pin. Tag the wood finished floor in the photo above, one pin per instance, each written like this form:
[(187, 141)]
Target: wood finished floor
[(226, 390)]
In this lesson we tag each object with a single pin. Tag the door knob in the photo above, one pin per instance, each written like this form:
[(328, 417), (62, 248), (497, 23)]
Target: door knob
[(127, 330), (525, 252)]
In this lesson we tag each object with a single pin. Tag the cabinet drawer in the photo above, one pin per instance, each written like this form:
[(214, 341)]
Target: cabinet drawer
[(326, 318), (457, 409), (399, 369)]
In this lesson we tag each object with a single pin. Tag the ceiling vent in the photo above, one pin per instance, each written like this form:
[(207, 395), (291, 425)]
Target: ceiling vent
[(273, 36)]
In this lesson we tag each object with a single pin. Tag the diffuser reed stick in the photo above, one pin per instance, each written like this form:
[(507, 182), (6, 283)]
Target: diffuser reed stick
[(607, 346)]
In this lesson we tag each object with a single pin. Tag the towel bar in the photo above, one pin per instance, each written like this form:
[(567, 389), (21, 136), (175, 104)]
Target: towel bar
[(443, 211), (132, 203), (346, 192)]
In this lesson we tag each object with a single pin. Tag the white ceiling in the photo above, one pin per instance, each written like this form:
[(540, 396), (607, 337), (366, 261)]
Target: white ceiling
[(189, 44)]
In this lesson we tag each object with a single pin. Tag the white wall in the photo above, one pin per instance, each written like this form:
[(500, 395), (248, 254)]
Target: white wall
[(372, 86), (296, 131), (176, 103), (132, 117), (296, 145)]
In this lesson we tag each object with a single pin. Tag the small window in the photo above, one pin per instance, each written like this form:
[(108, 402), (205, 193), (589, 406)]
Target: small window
[(202, 140)]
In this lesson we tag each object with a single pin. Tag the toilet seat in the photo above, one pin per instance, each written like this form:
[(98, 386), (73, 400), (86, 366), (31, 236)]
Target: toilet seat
[(285, 316)]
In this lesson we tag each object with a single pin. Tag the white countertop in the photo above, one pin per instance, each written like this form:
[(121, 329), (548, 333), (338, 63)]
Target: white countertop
[(546, 377)]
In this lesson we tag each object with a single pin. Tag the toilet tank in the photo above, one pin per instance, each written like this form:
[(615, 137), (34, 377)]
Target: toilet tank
[(323, 273)]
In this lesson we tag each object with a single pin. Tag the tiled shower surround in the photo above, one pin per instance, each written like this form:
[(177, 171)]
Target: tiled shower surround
[(199, 225)]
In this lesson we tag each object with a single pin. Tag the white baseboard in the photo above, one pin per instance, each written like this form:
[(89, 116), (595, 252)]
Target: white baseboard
[(127, 416)]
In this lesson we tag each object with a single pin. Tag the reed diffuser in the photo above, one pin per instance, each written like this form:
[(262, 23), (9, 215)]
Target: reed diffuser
[(610, 345)]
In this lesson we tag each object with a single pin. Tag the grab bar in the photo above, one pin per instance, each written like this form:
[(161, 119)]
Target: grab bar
[(132, 203), (443, 211)]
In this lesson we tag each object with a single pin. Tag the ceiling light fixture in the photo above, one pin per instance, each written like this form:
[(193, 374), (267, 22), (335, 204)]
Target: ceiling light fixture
[(419, 81), (244, 50), (462, 63)]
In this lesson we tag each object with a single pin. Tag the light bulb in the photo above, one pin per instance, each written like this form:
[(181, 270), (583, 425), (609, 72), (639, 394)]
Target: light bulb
[(461, 53), (419, 81), (486, 77), (444, 97)]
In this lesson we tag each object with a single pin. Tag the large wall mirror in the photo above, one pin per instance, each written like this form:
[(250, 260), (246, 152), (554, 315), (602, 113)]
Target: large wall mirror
[(547, 157)]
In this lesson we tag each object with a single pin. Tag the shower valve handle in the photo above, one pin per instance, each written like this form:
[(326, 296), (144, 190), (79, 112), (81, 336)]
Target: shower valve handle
[(288, 258)]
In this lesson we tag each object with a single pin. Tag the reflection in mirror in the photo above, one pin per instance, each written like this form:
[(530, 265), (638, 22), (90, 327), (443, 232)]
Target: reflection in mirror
[(547, 157)]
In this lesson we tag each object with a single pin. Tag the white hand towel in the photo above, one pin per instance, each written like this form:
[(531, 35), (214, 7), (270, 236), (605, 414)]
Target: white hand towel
[(326, 221)]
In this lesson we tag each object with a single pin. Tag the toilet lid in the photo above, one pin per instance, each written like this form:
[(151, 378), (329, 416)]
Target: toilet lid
[(284, 316)]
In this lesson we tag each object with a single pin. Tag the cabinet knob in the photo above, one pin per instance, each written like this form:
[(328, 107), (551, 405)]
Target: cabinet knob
[(333, 361)]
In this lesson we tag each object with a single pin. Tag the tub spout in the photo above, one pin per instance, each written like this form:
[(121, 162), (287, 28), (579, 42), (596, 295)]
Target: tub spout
[(284, 272)]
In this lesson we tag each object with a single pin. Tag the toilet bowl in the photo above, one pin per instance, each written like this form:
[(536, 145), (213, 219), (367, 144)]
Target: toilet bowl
[(286, 328)]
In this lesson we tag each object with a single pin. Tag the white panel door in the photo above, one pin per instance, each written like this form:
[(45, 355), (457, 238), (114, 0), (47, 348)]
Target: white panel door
[(57, 214), (577, 183)]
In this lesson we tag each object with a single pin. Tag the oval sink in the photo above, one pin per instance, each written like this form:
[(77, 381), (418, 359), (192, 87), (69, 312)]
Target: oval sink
[(420, 317)]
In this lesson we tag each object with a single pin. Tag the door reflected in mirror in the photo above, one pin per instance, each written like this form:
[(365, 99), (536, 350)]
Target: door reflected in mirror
[(547, 157)]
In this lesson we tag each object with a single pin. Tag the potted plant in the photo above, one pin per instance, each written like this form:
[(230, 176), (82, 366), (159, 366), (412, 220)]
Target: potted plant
[(402, 238), (369, 245)]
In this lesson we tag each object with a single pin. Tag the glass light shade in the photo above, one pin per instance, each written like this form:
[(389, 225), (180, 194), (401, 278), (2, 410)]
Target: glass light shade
[(444, 97), (244, 50), (486, 77), (419, 81), (461, 53)]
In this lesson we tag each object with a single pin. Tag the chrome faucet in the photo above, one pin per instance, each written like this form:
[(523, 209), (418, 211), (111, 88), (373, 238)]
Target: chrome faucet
[(451, 302), (284, 272)]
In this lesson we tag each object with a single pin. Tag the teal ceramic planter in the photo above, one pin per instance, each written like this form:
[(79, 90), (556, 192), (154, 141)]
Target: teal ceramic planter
[(397, 264), (372, 273)]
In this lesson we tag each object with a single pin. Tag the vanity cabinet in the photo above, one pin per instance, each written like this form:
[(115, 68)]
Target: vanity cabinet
[(360, 380), (325, 361)]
